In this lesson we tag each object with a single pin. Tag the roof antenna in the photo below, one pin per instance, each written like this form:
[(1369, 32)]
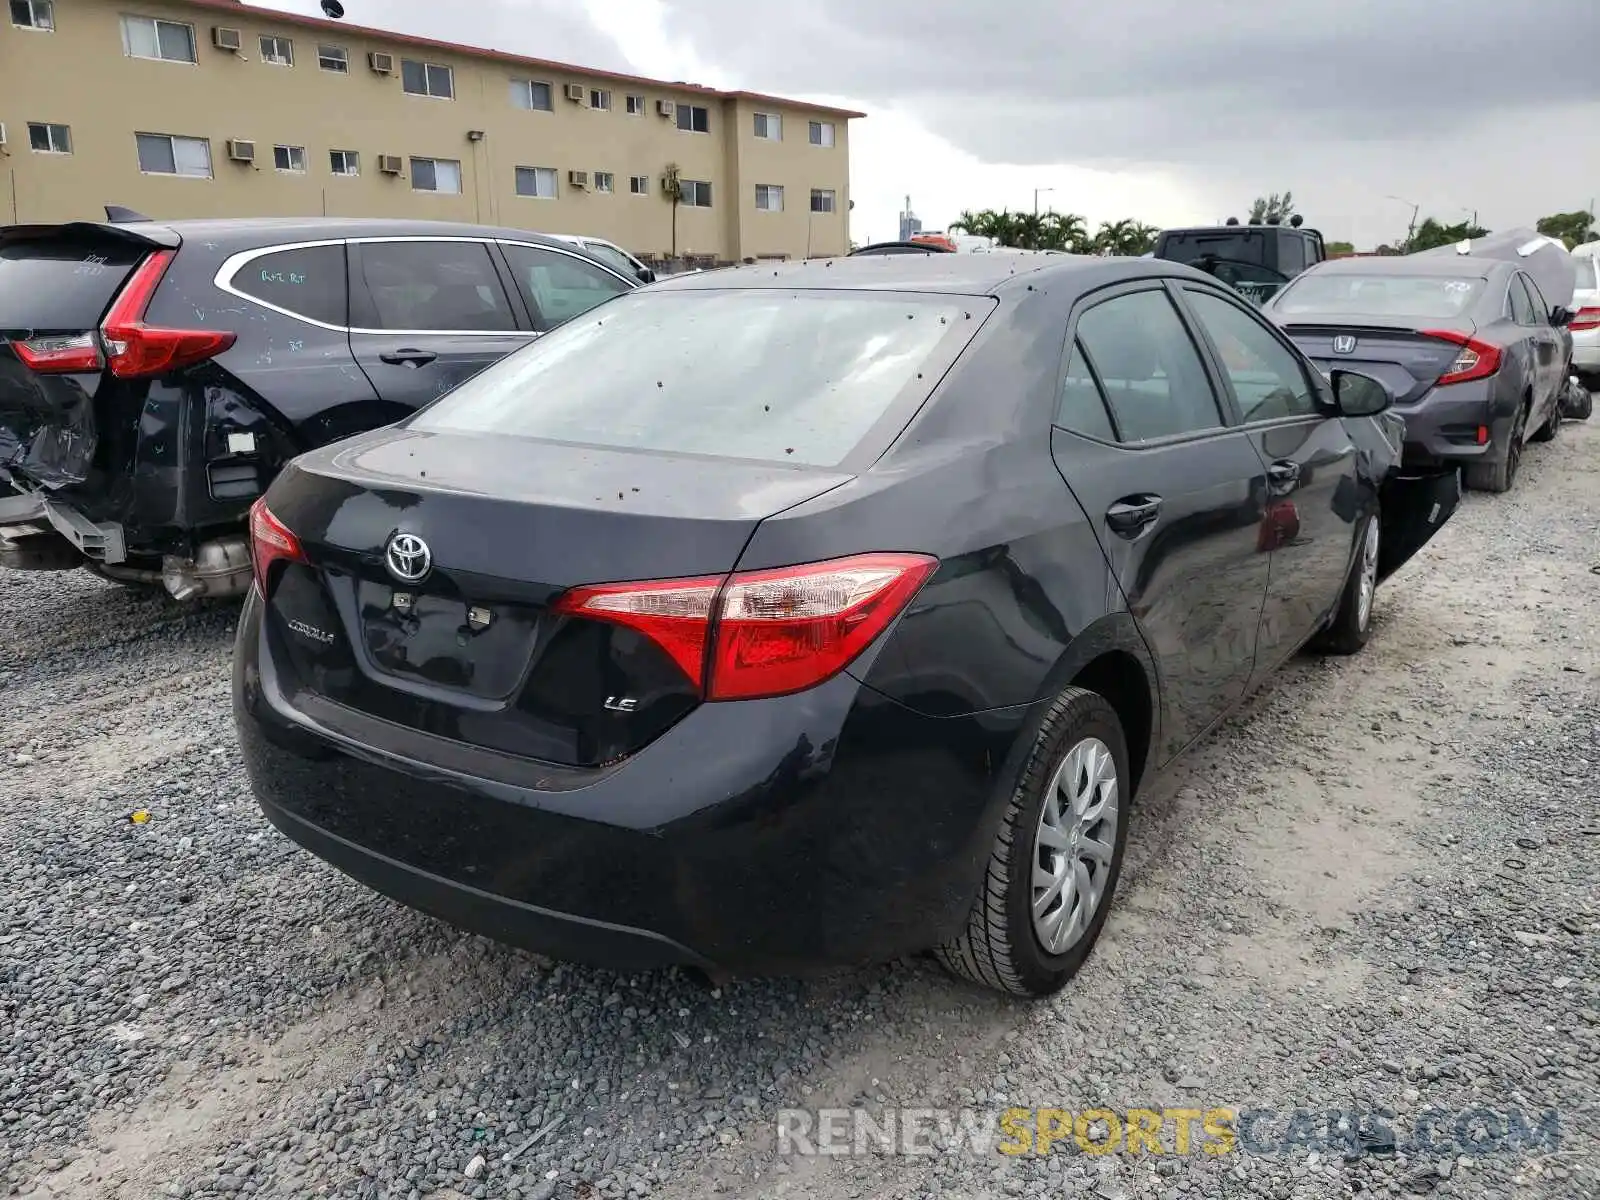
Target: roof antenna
[(117, 215)]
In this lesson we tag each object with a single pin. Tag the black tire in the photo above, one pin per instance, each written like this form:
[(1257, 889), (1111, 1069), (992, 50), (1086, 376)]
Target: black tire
[(1547, 432), (999, 948), (1500, 476), (1350, 628)]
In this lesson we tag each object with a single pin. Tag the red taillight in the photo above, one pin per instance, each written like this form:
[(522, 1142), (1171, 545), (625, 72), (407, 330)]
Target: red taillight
[(1475, 359), (1585, 318), (763, 633), (270, 542), (134, 349), (67, 354)]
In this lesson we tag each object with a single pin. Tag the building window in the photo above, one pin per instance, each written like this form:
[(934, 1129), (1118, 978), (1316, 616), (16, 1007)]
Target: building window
[(538, 183), (692, 118), (344, 162), (696, 193), (427, 79), (769, 127), (436, 175), (604, 181), (146, 37), (531, 95), (279, 51), (639, 185), (822, 133), (49, 139), (636, 106), (599, 98), (769, 197), (163, 154), (822, 200), (289, 158), (333, 58), (33, 14)]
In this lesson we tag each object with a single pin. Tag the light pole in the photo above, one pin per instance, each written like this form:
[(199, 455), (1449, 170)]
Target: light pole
[(1411, 230), (1036, 194)]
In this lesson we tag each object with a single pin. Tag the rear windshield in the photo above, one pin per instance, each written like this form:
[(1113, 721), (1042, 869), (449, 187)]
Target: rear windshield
[(776, 376), (59, 285), (1380, 295), (1235, 247), (1588, 273)]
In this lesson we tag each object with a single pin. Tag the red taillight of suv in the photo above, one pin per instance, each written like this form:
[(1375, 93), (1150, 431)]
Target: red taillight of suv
[(1475, 360), (136, 350), (127, 345), (1585, 318), (270, 541), (757, 634)]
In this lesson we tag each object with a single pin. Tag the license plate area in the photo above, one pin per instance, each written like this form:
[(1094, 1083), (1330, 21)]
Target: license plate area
[(432, 639)]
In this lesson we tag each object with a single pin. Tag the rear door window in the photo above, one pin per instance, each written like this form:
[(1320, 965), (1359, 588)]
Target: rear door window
[(1522, 311), (310, 281), (1151, 371), (559, 286), (429, 287), (792, 377), (61, 284)]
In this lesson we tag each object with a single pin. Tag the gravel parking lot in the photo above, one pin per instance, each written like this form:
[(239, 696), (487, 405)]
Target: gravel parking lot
[(1375, 886)]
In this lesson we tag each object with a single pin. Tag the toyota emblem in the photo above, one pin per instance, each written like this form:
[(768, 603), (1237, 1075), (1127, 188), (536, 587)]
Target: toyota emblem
[(408, 558)]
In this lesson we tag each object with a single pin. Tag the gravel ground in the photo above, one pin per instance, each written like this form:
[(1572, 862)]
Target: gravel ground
[(1373, 887)]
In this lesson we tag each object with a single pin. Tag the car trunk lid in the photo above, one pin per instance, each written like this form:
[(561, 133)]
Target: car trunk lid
[(1406, 360), (470, 648), (57, 284)]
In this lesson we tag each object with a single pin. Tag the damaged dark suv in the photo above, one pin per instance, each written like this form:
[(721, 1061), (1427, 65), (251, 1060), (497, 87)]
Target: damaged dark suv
[(155, 376)]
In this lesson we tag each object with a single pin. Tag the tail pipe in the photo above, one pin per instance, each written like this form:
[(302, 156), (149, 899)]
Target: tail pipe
[(218, 569)]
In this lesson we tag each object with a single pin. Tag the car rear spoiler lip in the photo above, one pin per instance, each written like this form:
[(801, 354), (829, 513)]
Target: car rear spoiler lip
[(153, 236)]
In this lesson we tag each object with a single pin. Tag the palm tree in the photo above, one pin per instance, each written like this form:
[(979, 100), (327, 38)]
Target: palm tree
[(1125, 237), (672, 185), (1067, 231)]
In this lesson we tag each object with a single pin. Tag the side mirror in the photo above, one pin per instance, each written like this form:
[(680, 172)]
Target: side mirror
[(646, 275), (1359, 395), (1560, 317)]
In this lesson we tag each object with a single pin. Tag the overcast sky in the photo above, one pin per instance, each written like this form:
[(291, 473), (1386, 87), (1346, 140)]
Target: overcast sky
[(1149, 109)]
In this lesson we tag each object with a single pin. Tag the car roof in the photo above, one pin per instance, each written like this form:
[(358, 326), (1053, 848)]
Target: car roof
[(239, 229), (955, 274), (1411, 264)]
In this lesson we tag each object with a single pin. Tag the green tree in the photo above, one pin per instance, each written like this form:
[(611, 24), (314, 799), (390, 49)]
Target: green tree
[(1125, 237), (672, 185), (1573, 228), (1274, 207), (1335, 248), (1432, 233)]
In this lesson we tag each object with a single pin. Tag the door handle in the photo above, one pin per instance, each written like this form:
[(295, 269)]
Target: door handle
[(1284, 472), (408, 358), (1131, 516)]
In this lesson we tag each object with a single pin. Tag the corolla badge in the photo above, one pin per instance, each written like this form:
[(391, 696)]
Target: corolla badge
[(306, 630), (408, 558), (1344, 344)]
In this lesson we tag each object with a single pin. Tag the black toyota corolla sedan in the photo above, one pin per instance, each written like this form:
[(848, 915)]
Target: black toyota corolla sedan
[(785, 617)]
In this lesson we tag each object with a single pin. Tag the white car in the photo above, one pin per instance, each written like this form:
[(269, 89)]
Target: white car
[(1585, 325), (609, 253)]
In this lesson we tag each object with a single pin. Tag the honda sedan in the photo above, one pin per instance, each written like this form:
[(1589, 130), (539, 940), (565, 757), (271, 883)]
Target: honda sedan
[(785, 617)]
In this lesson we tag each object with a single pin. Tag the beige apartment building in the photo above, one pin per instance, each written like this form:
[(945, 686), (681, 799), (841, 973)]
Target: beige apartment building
[(192, 108)]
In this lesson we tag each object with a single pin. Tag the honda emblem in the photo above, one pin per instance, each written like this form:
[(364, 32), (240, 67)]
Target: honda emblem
[(1344, 344)]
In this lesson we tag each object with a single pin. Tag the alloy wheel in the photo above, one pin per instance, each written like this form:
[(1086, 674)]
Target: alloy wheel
[(1074, 845), (1368, 584)]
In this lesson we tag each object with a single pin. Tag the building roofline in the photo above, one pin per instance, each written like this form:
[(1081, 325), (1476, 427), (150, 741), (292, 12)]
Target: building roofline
[(236, 7)]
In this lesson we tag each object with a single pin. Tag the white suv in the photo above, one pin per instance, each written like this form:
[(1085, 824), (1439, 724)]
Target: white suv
[(610, 253)]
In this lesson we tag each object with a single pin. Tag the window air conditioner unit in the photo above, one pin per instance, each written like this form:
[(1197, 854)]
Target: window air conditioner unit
[(574, 92), (578, 179), (241, 151), (390, 164), (224, 38), (383, 64), (666, 108)]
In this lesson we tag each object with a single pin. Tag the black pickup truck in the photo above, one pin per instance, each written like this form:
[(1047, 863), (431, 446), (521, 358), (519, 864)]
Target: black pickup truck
[(1255, 259)]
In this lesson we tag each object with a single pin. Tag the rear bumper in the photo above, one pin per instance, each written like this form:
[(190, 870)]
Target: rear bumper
[(778, 837), (1586, 352), (1441, 427)]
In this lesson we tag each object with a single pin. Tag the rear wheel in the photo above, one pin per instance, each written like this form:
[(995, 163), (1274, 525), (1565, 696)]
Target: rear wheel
[(1547, 432), (1499, 476), (1055, 861), (1352, 624)]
